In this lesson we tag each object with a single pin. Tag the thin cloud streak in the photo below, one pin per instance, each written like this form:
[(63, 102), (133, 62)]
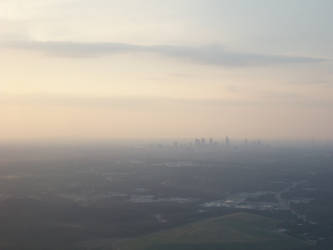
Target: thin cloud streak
[(123, 102), (134, 103), (206, 55)]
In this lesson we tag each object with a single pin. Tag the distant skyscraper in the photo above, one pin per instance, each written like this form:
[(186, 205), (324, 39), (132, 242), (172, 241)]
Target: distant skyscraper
[(197, 142), (203, 141), (227, 141)]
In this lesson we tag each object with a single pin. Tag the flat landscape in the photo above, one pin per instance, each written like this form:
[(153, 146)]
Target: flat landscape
[(233, 232), (152, 197)]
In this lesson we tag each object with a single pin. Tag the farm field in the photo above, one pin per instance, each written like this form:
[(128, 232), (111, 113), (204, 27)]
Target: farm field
[(232, 232)]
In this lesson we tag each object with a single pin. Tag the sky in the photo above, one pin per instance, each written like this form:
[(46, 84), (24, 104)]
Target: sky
[(106, 69)]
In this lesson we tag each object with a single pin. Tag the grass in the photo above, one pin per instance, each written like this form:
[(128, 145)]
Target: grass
[(241, 231)]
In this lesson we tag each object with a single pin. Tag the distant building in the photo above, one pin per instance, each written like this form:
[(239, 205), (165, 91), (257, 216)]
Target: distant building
[(227, 141), (197, 142)]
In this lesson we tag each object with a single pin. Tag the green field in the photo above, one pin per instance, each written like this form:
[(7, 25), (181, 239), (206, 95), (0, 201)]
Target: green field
[(241, 231)]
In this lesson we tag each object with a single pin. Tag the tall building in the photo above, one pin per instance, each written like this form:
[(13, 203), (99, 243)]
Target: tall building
[(227, 141)]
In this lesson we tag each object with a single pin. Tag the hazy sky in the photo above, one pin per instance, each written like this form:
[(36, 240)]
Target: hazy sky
[(103, 69)]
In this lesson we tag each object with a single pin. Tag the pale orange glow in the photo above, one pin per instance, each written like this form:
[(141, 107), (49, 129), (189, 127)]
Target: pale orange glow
[(150, 83)]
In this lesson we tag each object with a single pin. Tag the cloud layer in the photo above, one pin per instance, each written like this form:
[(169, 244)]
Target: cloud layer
[(206, 55)]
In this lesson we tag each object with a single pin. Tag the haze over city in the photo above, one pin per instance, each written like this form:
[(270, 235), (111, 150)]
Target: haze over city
[(166, 125)]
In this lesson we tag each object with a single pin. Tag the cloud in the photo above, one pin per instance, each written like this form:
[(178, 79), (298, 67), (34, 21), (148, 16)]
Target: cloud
[(158, 103), (117, 102), (206, 55), (321, 83)]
